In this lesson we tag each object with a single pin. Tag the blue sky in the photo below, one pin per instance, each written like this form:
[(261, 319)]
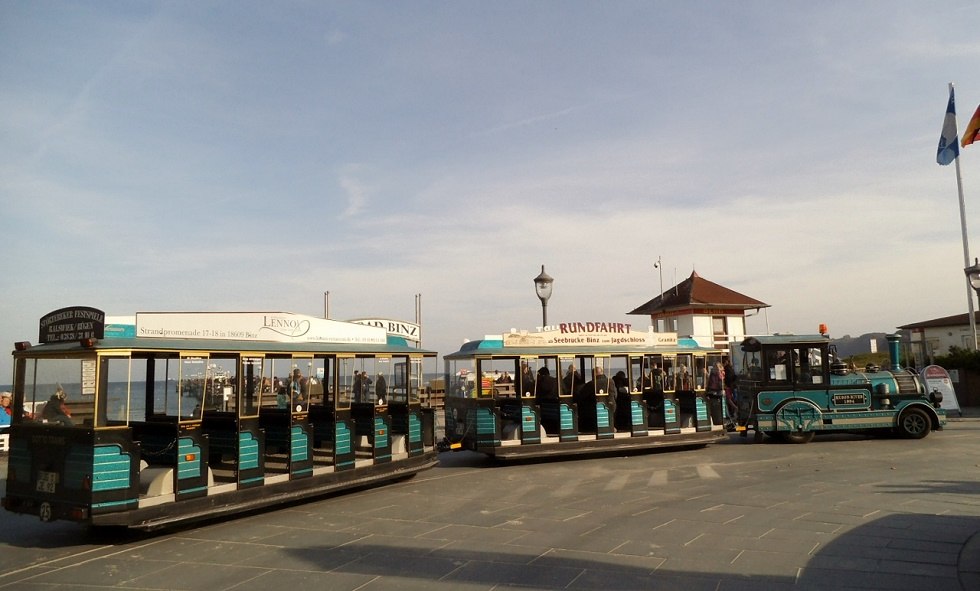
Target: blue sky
[(250, 156)]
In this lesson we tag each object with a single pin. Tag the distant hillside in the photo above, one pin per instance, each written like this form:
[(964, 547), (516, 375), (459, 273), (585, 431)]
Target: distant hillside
[(848, 346)]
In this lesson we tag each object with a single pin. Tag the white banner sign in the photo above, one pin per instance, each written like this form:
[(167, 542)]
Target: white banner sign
[(397, 328), (577, 334), (282, 327)]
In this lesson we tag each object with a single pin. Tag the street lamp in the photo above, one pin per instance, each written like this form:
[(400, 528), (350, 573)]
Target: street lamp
[(973, 274), (542, 286)]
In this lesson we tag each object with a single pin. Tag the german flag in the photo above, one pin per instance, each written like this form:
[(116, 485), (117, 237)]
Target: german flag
[(972, 132)]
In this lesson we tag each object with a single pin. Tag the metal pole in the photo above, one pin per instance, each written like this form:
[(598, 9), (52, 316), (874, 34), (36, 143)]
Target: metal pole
[(966, 246), (659, 266), (326, 305)]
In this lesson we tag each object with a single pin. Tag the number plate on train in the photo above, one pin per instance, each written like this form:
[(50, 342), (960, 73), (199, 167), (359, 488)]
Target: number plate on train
[(46, 481)]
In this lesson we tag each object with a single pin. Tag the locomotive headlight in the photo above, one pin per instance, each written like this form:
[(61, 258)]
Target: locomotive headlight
[(936, 398)]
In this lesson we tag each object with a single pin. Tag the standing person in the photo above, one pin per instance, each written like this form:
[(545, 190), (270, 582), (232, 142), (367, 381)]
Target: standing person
[(716, 392), (730, 381), (381, 390), (358, 386)]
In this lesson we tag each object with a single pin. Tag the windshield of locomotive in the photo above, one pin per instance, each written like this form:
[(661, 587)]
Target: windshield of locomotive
[(747, 364), (57, 392)]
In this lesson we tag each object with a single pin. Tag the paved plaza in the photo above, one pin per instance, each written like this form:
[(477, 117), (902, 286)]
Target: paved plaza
[(842, 513)]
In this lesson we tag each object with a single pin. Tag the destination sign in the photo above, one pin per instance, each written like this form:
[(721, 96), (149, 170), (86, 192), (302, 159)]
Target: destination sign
[(578, 334), (72, 324)]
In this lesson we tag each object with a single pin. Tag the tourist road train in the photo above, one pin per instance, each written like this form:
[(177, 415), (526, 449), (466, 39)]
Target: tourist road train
[(162, 418)]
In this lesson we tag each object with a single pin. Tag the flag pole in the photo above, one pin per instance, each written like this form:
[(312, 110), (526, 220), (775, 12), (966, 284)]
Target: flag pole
[(966, 243)]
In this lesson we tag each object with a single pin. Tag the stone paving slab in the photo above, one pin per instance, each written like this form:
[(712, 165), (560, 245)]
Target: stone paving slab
[(843, 513)]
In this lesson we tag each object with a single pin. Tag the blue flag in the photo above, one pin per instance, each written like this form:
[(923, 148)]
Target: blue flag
[(949, 147)]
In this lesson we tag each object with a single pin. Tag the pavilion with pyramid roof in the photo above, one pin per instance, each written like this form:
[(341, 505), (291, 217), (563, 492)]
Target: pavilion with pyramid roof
[(711, 314)]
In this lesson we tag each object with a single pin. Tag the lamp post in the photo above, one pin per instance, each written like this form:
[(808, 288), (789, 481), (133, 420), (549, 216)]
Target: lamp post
[(973, 274), (542, 286)]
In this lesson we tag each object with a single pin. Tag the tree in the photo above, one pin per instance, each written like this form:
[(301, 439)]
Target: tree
[(959, 358)]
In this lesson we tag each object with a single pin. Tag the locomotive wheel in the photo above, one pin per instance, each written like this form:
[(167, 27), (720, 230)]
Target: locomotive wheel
[(914, 424), (797, 436)]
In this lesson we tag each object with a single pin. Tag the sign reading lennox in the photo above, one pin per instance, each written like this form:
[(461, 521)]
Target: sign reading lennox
[(574, 334), (282, 327), (397, 328), (72, 324)]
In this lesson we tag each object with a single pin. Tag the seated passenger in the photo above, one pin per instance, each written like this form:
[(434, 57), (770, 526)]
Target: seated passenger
[(545, 388), (682, 381), (6, 413), (525, 380), (55, 410), (571, 381), (654, 400), (623, 410), (586, 398)]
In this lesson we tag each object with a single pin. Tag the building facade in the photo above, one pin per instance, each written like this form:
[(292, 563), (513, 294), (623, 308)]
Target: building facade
[(924, 340), (711, 314)]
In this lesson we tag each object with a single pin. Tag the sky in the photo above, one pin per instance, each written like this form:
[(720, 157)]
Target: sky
[(250, 156)]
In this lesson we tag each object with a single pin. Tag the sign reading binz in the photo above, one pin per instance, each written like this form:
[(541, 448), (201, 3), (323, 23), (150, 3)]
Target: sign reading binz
[(398, 328), (72, 324)]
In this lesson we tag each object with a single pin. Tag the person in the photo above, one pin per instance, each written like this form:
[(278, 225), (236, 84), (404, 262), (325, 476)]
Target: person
[(730, 381), (55, 410), (7, 413), (601, 381), (570, 381), (682, 381), (298, 386), (623, 416), (716, 392), (362, 386), (357, 386), (587, 399), (366, 382), (645, 380), (544, 388), (653, 397), (525, 381), (381, 389), (658, 377)]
